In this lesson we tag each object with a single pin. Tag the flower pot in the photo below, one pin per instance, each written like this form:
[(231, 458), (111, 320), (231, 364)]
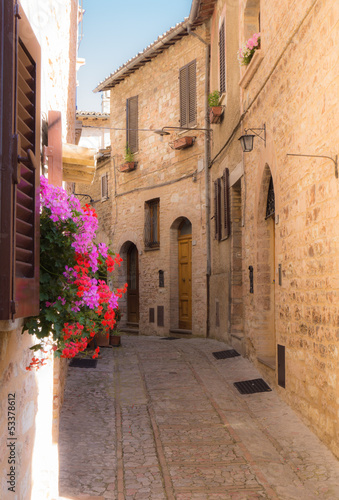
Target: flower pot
[(127, 167), (115, 340), (102, 339), (182, 143), (216, 113)]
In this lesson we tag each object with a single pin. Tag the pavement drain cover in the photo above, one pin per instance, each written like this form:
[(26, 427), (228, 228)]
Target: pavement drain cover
[(252, 386), (231, 353), (83, 363), (170, 338)]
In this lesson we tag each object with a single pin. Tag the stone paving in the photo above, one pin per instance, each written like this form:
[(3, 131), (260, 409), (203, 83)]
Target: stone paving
[(160, 419)]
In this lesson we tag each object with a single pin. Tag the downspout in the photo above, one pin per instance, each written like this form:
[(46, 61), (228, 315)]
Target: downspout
[(206, 161)]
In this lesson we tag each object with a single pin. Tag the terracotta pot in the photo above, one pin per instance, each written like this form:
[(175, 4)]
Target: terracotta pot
[(102, 339), (127, 167), (216, 113), (115, 340), (182, 143)]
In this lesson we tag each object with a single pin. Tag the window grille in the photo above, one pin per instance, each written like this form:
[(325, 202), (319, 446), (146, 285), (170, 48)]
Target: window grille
[(270, 207)]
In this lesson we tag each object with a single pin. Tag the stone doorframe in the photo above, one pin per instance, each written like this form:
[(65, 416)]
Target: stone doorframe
[(264, 282)]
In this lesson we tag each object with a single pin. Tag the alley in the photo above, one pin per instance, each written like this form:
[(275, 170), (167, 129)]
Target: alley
[(161, 419)]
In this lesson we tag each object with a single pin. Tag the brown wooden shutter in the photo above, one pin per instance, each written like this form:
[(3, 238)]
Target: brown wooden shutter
[(20, 167), (222, 61), (188, 95), (132, 123), (160, 315), (217, 209), (227, 224), (192, 94)]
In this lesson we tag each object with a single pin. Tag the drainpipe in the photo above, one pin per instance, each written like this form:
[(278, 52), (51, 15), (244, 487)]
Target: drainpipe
[(206, 161)]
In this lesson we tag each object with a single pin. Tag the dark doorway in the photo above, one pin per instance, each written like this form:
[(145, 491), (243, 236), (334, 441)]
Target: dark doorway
[(133, 285)]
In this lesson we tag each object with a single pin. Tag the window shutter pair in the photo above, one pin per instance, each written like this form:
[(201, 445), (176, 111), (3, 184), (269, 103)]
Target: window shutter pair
[(217, 206), (104, 186), (132, 123), (188, 95), (222, 59), (20, 164)]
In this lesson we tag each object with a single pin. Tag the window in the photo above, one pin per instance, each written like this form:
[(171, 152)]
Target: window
[(104, 187), (132, 123), (222, 59), (188, 95), (222, 207), (152, 233), (20, 166)]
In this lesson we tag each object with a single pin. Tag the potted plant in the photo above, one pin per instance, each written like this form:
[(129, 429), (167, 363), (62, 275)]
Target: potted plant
[(247, 50), (129, 164), (182, 143), (216, 110), (114, 335)]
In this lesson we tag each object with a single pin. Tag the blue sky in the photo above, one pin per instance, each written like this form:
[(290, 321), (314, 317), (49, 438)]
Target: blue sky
[(115, 31)]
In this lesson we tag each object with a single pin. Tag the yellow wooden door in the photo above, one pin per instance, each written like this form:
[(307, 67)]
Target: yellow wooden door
[(185, 282)]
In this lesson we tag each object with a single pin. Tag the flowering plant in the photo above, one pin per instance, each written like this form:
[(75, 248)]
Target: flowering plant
[(247, 50), (75, 300)]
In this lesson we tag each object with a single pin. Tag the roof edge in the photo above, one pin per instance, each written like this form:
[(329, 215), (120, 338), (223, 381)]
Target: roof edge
[(151, 51)]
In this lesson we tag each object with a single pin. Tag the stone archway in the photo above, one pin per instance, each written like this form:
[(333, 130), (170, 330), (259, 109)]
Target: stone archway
[(128, 273), (265, 280)]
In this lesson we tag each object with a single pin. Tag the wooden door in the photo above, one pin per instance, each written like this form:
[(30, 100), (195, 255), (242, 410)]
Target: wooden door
[(133, 285), (185, 282)]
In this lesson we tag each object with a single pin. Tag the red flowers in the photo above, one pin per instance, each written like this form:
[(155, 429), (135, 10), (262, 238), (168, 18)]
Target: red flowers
[(96, 353)]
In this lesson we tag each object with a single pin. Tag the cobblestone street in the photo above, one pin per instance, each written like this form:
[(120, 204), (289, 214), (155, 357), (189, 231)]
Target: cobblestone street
[(160, 419)]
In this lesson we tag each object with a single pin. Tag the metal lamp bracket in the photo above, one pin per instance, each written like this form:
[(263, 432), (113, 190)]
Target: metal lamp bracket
[(335, 160), (260, 134)]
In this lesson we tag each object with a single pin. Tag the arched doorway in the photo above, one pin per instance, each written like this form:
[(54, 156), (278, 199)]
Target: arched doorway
[(133, 285), (266, 347), (185, 274)]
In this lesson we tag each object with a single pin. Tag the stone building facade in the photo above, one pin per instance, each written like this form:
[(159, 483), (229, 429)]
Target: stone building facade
[(284, 210), (157, 210), (37, 395)]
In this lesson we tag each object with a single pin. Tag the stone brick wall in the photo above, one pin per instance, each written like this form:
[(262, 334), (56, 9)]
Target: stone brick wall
[(291, 86), (224, 155), (39, 394), (176, 177)]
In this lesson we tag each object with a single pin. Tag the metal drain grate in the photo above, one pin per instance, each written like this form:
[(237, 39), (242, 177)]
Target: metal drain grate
[(252, 386), (170, 338), (83, 363), (231, 353)]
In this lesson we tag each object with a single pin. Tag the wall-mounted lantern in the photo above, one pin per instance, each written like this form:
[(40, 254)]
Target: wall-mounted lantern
[(246, 140)]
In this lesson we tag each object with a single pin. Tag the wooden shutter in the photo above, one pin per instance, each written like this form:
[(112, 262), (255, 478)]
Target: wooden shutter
[(132, 123), (160, 315), (217, 209), (20, 165), (227, 225), (188, 95), (222, 60)]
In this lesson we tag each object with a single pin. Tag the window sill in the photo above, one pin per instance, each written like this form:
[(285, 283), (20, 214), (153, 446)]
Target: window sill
[(10, 326), (251, 69), (148, 249)]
